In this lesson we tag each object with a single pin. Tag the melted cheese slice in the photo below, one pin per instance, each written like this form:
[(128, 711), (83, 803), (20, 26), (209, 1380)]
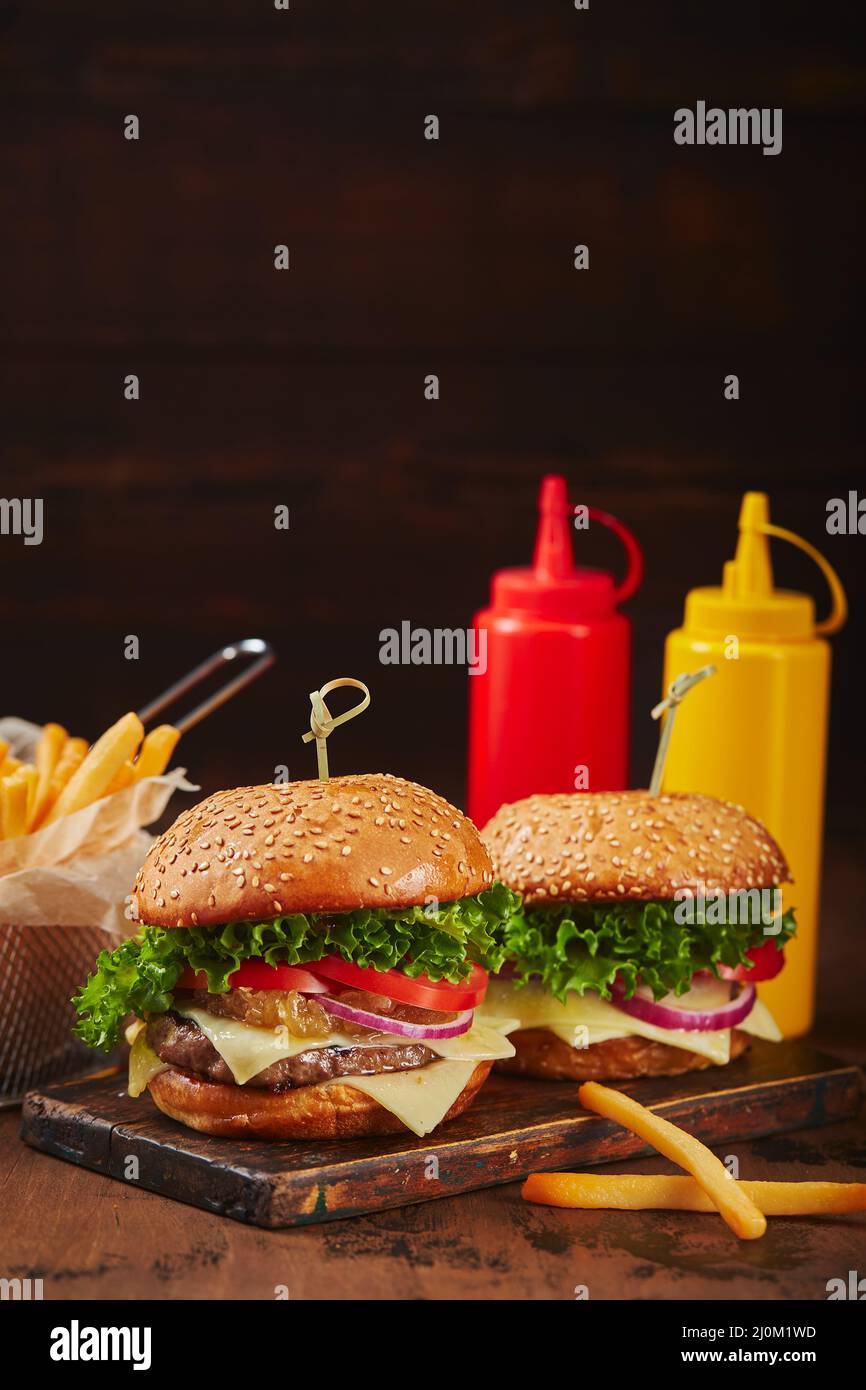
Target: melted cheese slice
[(420, 1098), (247, 1050), (583, 1021), (144, 1064)]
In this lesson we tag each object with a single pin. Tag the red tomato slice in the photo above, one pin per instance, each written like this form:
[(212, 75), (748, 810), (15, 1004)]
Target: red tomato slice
[(768, 961), (426, 993), (257, 974)]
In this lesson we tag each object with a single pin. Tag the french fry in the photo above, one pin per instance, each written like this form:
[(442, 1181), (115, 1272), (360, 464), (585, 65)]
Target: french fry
[(99, 767), (636, 1192), (4, 749), (124, 777), (726, 1194), (156, 750), (13, 805), (49, 749), (51, 743), (70, 760), (10, 765), (31, 780)]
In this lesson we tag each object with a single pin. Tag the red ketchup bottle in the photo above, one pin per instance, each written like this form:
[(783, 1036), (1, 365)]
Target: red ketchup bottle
[(549, 696)]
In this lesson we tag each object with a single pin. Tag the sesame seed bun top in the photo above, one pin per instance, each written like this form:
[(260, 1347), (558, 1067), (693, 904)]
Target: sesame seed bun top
[(368, 840), (609, 846)]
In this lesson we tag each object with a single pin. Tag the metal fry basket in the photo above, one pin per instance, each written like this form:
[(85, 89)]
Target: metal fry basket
[(42, 967)]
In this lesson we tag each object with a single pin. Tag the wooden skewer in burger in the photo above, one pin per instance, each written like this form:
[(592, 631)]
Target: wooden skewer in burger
[(309, 960), (647, 920)]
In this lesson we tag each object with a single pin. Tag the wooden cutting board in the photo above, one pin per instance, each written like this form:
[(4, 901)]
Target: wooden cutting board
[(514, 1127)]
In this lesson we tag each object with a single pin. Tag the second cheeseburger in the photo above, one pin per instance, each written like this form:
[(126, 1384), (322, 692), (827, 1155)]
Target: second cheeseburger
[(308, 963), (645, 925)]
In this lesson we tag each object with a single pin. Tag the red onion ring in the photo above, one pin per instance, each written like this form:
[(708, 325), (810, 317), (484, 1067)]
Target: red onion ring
[(383, 1024), (686, 1020)]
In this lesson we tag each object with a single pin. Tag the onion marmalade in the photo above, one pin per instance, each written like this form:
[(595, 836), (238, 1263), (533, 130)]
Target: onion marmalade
[(305, 1016)]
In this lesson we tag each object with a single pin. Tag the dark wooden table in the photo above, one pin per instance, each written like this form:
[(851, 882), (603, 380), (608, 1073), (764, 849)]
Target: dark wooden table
[(90, 1237)]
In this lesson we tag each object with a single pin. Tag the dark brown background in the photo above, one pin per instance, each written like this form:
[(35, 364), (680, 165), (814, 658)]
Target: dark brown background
[(408, 257)]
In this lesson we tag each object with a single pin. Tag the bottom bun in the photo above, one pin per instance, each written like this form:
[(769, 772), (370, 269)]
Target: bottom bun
[(333, 1111), (541, 1054)]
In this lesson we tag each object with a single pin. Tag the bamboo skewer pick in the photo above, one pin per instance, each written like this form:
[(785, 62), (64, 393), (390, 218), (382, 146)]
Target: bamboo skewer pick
[(668, 707), (321, 722)]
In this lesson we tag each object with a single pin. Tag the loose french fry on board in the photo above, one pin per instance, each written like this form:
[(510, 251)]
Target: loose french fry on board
[(726, 1194), (96, 773), (156, 750), (640, 1192), (49, 750)]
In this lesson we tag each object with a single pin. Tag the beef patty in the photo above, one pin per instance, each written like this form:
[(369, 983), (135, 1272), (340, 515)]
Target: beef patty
[(540, 1053), (180, 1042)]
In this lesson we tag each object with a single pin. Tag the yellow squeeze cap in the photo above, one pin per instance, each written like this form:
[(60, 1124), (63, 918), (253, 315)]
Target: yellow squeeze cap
[(750, 573), (748, 604)]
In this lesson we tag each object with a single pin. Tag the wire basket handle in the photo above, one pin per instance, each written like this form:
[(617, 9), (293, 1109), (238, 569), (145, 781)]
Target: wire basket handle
[(249, 646)]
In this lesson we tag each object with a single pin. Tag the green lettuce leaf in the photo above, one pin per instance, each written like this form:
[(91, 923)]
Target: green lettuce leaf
[(581, 946), (441, 941)]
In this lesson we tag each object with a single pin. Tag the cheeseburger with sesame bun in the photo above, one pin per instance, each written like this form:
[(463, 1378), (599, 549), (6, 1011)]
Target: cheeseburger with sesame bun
[(646, 923), (308, 963)]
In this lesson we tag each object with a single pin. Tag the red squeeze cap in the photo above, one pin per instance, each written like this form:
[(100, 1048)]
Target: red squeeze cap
[(553, 558), (554, 587)]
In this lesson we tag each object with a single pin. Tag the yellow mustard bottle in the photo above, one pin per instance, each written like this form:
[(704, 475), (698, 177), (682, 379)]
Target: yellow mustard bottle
[(756, 733)]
